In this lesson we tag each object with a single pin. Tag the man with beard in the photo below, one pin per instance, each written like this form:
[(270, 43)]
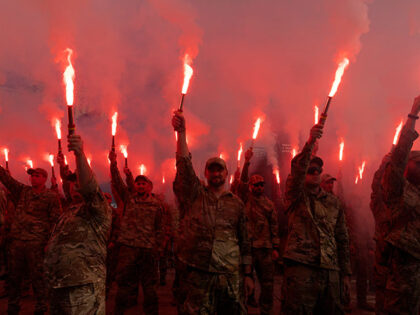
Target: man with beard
[(31, 220), (139, 239), (317, 249), (401, 185), (262, 231), (76, 252), (215, 245)]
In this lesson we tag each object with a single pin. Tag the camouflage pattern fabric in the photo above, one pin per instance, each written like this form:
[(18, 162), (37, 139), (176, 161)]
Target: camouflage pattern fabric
[(317, 231), (134, 265), (23, 256), (264, 267), (310, 290), (215, 238), (212, 293), (85, 299)]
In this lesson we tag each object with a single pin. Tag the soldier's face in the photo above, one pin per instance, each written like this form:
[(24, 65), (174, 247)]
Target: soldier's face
[(216, 175), (328, 185), (38, 179), (142, 187), (313, 176), (257, 189)]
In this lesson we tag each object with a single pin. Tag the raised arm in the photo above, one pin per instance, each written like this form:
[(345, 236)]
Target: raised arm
[(12, 185), (243, 188), (116, 179)]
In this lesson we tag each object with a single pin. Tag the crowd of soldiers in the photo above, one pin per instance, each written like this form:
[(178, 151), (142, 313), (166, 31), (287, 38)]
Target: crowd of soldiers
[(72, 247)]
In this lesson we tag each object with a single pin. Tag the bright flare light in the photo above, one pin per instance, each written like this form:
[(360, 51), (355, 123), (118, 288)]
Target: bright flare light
[(51, 158), (338, 75), (6, 154), (362, 169), (256, 128), (357, 179), (341, 150), (65, 160), (114, 123), (58, 128), (89, 160), (30, 163), (240, 152), (68, 78), (277, 174), (142, 169), (163, 180), (231, 179), (397, 133), (294, 152), (123, 149), (188, 72), (316, 113)]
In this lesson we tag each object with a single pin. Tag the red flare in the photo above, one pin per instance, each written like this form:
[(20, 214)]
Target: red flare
[(294, 152), (114, 123), (277, 174), (341, 150), (357, 179), (58, 128), (163, 179), (65, 160), (51, 159), (397, 133), (231, 179), (30, 163), (68, 78), (123, 149), (6, 154), (256, 128), (188, 72), (362, 169), (89, 160), (316, 114), (240, 153), (142, 169), (338, 75)]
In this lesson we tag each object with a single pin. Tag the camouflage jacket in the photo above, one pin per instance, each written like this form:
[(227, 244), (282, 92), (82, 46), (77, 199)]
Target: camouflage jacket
[(379, 209), (214, 236), (76, 252), (317, 232), (262, 218), (402, 198), (142, 219), (34, 214)]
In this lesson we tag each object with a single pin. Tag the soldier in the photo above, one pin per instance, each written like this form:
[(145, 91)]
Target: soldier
[(140, 241), (317, 249), (401, 184), (35, 213), (76, 252), (381, 215), (215, 246), (262, 232)]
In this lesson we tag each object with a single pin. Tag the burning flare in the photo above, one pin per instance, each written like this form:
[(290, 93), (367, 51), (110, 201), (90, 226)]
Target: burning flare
[(6, 154), (142, 169), (316, 113), (163, 179), (68, 78), (51, 158), (231, 179), (338, 75), (65, 160), (256, 128), (240, 152), (58, 128), (357, 179), (277, 174), (30, 163), (397, 133), (341, 150), (188, 72), (222, 156), (89, 160), (361, 170), (114, 123), (123, 149), (294, 152)]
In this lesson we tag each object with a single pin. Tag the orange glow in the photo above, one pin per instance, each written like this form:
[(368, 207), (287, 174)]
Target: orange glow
[(65, 160), (231, 179), (142, 169), (357, 180), (176, 136), (188, 72), (277, 174), (240, 152), (30, 163), (6, 154), (123, 149), (341, 150), (58, 128), (397, 133), (51, 159), (114, 123), (338, 75), (294, 152), (316, 112), (89, 160), (163, 179), (362, 169), (223, 156), (256, 128), (68, 78)]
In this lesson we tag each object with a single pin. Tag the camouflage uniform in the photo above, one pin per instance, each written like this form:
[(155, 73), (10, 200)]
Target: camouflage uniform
[(166, 253), (140, 240), (76, 255), (30, 226), (381, 214), (214, 245), (402, 293), (263, 234), (317, 249)]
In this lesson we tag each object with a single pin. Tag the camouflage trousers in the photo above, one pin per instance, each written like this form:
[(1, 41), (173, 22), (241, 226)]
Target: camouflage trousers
[(310, 290), (360, 270), (211, 293), (86, 299), (111, 265), (134, 265), (178, 287), (381, 272), (402, 292), (23, 256), (264, 267)]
